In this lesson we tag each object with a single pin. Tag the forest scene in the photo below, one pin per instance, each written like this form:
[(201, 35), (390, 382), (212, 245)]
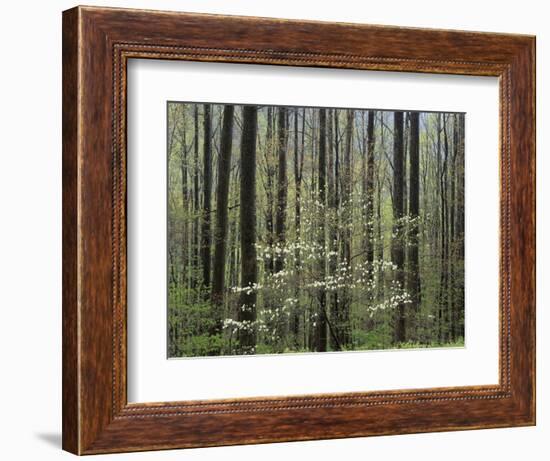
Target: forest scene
[(305, 229)]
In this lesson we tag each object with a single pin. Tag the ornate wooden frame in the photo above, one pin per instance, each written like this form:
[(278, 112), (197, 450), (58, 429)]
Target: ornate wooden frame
[(97, 43)]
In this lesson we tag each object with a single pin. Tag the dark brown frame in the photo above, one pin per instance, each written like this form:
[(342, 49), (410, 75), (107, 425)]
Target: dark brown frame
[(97, 43)]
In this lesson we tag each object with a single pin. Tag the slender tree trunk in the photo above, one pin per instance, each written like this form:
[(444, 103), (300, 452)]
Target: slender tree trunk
[(398, 252), (445, 198), (362, 146), (313, 153), (330, 164), (439, 232), (249, 269), (234, 237), (380, 236), (173, 281), (343, 327), (270, 174), (196, 199), (220, 231), (406, 133), (337, 179), (282, 185), (298, 168), (207, 192), (413, 275), (332, 225), (321, 323), (459, 230), (348, 179), (184, 204), (369, 206), (444, 256), (334, 237), (452, 228), (312, 311)]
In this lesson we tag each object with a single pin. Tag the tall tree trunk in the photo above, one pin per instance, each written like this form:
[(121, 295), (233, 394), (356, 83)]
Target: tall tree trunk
[(398, 252), (314, 141), (413, 275), (330, 164), (312, 311), (184, 204), (335, 232), (380, 236), (369, 206), (406, 133), (362, 141), (220, 230), (234, 237), (298, 168), (282, 185), (443, 314), (173, 281), (249, 269), (343, 326), (270, 180), (459, 229), (439, 233), (321, 323), (452, 227), (446, 233), (333, 147), (207, 192), (196, 199)]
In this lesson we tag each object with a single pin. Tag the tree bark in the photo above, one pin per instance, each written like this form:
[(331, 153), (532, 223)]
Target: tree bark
[(196, 199), (270, 174), (380, 236), (282, 185), (298, 168), (398, 253), (343, 327), (321, 322), (184, 203), (369, 208), (443, 314), (249, 269), (207, 192), (335, 237), (220, 230), (459, 230), (413, 275), (333, 179), (452, 246)]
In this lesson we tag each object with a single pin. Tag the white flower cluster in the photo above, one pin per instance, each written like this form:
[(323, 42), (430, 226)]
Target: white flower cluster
[(249, 289), (392, 303), (245, 325), (308, 250)]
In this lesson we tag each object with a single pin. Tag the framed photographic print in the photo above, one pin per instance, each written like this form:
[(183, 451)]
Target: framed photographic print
[(285, 230)]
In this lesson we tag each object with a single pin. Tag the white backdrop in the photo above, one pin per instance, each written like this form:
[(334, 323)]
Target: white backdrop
[(30, 243), (153, 378)]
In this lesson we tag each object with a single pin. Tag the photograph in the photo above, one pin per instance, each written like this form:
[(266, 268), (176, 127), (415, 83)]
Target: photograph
[(278, 225), (313, 229)]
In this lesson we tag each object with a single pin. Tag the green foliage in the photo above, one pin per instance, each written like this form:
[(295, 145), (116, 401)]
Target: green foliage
[(288, 307), (417, 345), (190, 324)]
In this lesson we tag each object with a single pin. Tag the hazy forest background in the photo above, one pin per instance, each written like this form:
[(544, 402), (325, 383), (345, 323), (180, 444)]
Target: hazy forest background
[(297, 229)]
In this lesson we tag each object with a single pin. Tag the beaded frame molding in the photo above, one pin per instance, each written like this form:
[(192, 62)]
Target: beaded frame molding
[(97, 43)]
